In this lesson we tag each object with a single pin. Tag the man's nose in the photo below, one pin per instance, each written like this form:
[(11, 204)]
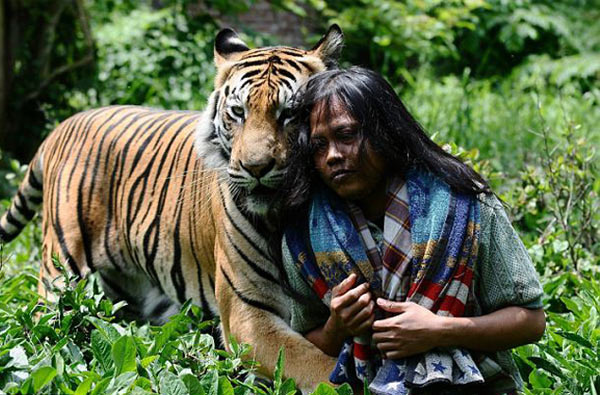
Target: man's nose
[(333, 154)]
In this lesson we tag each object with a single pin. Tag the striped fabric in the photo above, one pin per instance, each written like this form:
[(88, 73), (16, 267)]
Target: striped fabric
[(397, 245), (430, 248)]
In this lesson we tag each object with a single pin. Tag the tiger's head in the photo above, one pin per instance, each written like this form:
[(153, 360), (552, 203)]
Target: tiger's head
[(243, 130)]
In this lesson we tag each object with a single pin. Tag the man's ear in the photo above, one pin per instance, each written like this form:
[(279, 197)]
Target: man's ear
[(329, 47), (228, 47)]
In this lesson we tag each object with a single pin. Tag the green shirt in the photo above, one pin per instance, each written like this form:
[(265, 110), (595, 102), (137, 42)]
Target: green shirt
[(504, 276)]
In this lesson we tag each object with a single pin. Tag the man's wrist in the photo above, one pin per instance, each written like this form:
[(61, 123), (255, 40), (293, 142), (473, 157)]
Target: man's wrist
[(333, 330), (452, 331)]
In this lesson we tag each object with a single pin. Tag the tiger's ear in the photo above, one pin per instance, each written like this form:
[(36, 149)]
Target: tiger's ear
[(228, 47), (329, 47)]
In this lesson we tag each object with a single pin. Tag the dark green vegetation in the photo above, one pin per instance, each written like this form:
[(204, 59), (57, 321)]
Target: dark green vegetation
[(513, 85)]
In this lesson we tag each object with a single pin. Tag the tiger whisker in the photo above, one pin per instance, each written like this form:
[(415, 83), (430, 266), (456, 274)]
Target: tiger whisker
[(208, 197), (199, 171)]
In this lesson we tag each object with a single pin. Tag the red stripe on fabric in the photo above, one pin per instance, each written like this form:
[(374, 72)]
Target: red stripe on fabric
[(320, 287), (362, 352), (430, 289), (452, 305), (468, 278)]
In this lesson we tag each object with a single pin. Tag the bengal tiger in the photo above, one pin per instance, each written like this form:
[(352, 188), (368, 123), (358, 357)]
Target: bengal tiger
[(171, 205)]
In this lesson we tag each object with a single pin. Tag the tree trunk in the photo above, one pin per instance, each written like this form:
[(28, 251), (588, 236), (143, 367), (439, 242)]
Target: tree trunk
[(3, 70)]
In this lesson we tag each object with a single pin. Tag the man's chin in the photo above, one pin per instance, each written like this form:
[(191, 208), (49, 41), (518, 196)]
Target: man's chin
[(347, 192)]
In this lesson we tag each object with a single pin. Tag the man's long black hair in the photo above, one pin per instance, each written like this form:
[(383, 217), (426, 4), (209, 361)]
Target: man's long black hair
[(385, 124)]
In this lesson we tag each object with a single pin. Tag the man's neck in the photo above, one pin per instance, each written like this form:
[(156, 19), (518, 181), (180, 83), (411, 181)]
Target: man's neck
[(373, 206)]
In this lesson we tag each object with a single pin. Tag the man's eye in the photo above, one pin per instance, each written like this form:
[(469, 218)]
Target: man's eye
[(347, 135), (238, 111), (317, 146)]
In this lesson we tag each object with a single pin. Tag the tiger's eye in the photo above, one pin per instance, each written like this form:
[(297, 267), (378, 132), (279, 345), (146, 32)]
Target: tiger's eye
[(237, 111)]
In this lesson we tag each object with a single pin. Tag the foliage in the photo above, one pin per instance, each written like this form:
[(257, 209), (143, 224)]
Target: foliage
[(396, 36), (489, 37), (157, 58), (566, 360), (560, 196), (500, 117), (77, 347)]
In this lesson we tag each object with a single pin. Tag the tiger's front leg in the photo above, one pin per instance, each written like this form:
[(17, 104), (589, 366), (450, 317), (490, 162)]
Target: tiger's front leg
[(265, 331)]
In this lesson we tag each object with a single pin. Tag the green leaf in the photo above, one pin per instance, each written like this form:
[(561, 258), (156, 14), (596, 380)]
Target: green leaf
[(109, 332), (85, 386), (547, 366), (279, 369), (59, 364), (123, 353), (143, 383), (211, 381), (172, 385), (148, 360), (124, 380), (539, 379), (166, 331), (225, 387), (560, 245), (344, 389), (576, 338), (192, 384), (572, 305), (324, 389), (101, 349), (42, 377), (288, 387), (18, 357)]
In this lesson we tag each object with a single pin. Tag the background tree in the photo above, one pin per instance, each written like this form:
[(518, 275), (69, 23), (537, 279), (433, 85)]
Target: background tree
[(47, 47)]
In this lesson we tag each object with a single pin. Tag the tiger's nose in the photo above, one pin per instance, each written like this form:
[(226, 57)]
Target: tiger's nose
[(258, 169)]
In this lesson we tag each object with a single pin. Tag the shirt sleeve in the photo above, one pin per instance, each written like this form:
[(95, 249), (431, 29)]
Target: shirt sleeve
[(504, 274), (307, 310)]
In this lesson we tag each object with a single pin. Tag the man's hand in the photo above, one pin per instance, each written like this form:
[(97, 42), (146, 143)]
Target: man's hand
[(412, 330), (352, 308)]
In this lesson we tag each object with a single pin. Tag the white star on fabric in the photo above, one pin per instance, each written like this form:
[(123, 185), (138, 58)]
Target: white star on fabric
[(344, 351), (394, 385), (343, 371)]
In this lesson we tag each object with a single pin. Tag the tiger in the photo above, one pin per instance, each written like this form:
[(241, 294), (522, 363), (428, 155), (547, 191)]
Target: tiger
[(167, 206)]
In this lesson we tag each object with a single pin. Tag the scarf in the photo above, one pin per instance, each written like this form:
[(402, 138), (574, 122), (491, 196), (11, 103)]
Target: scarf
[(432, 267)]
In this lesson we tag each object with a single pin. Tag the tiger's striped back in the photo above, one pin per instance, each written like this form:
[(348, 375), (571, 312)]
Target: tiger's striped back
[(171, 205)]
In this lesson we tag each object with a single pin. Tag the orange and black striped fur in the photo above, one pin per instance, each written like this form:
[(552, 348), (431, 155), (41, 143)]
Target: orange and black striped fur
[(171, 205)]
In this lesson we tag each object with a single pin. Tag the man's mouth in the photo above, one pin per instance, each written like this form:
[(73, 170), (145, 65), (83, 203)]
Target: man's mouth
[(341, 174)]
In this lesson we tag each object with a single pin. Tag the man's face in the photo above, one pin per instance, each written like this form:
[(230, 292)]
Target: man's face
[(336, 140)]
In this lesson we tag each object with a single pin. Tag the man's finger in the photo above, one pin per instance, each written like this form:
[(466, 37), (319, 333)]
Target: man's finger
[(388, 347), (385, 324), (361, 315), (397, 354), (351, 296), (366, 326), (344, 286), (391, 306), (355, 306), (384, 337)]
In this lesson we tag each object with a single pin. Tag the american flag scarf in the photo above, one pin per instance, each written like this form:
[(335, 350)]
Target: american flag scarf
[(429, 251)]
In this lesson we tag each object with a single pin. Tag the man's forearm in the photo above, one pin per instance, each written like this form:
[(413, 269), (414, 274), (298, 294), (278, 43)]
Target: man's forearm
[(327, 338), (503, 329)]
